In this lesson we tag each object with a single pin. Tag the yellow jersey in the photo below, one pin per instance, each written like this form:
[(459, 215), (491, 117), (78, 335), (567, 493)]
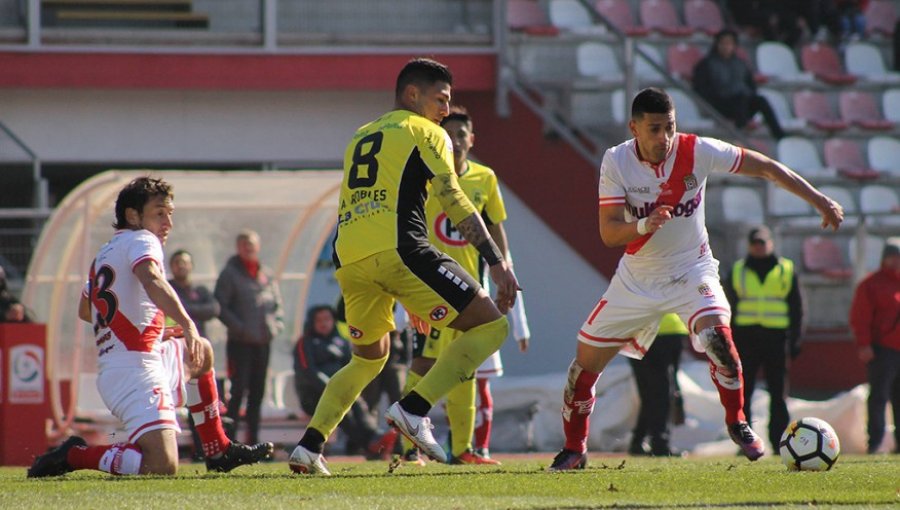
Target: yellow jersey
[(387, 165), (479, 183)]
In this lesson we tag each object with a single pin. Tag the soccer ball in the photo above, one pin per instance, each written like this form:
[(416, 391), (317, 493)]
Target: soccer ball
[(809, 444)]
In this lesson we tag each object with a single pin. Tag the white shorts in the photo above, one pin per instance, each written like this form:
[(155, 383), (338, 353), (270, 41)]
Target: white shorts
[(144, 397), (492, 367), (628, 314)]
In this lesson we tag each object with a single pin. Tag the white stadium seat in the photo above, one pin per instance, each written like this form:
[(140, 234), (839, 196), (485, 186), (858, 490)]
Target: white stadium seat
[(866, 60), (599, 62), (890, 105), (742, 205), (782, 110), (802, 156), (884, 154), (777, 61)]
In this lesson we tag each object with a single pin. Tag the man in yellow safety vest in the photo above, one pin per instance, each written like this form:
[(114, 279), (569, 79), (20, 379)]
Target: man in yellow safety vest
[(768, 315)]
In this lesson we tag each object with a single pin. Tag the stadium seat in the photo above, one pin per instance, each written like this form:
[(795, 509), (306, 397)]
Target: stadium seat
[(703, 15), (783, 203), (599, 62), (801, 156), (643, 71), (528, 16), (881, 17), (618, 106), (742, 205), (890, 105), (822, 255), (688, 114), (682, 58), (777, 62), (660, 15), (871, 246), (884, 154), (882, 203), (846, 156), (782, 109), (861, 110), (865, 60), (815, 108), (821, 60), (618, 12), (571, 15)]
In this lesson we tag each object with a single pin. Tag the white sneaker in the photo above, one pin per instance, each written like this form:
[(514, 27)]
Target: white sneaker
[(306, 462), (417, 429)]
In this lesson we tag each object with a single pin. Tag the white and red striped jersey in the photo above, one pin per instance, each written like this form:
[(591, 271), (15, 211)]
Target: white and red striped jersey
[(128, 326), (680, 181)]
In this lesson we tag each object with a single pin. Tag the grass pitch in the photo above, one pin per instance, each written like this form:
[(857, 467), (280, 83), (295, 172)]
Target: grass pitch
[(609, 481)]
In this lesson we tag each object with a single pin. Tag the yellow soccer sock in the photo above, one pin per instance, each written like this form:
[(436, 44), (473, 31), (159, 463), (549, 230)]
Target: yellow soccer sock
[(342, 390), (461, 415), (461, 358), (412, 379)]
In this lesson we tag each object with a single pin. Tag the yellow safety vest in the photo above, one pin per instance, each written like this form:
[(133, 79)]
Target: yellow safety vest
[(671, 324), (763, 303)]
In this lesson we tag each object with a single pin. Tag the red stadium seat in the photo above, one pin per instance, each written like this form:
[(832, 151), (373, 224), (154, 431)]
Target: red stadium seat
[(815, 108), (682, 59), (703, 15), (529, 17), (821, 60), (881, 17), (847, 157), (618, 12), (860, 109), (822, 255), (660, 15)]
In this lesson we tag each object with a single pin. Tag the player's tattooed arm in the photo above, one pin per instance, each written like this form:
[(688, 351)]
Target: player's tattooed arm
[(476, 232)]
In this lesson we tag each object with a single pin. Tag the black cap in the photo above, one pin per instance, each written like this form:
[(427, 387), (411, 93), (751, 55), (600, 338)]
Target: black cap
[(759, 233), (891, 248)]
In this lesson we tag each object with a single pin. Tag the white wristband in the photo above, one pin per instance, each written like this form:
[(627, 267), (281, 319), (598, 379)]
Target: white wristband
[(642, 226)]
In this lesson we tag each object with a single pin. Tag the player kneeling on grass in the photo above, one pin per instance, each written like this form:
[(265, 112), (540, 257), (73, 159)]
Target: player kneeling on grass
[(142, 375)]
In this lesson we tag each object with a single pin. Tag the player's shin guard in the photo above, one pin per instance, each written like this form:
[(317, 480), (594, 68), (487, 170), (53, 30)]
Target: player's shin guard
[(578, 404), (116, 459), (342, 390), (203, 404), (461, 358), (484, 416), (461, 414), (725, 370), (412, 379)]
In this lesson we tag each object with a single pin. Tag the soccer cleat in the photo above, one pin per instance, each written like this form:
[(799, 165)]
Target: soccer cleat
[(239, 454), (470, 457), (751, 445), (305, 462), (417, 429), (568, 459), (412, 456), (483, 452), (54, 463)]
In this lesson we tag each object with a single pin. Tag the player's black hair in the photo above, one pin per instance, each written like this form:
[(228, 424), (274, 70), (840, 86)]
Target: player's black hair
[(651, 100), (459, 114), (422, 72), (136, 194), (179, 252)]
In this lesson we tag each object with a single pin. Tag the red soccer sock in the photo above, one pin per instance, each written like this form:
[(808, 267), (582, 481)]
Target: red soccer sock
[(203, 404), (485, 414), (116, 459), (731, 389), (578, 403)]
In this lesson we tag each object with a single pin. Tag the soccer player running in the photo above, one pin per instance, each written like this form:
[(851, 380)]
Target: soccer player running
[(140, 374), (651, 201), (479, 183), (382, 253)]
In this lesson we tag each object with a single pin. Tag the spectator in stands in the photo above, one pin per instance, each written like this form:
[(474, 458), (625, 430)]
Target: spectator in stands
[(764, 294), (775, 20), (726, 82), (251, 310), (875, 321), (11, 310), (851, 20), (657, 385), (319, 353)]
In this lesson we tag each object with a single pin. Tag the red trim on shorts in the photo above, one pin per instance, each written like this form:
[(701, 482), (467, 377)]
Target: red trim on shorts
[(179, 365), (600, 305), (638, 347), (698, 312), (134, 434)]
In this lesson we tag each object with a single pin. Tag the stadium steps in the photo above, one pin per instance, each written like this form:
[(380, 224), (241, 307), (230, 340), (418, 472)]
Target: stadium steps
[(123, 14)]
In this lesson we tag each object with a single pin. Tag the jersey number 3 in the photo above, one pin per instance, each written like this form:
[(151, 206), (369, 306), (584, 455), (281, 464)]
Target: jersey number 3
[(371, 144), (104, 300)]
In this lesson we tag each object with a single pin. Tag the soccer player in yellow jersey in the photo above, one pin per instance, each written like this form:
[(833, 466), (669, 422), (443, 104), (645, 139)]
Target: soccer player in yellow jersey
[(479, 183), (382, 253)]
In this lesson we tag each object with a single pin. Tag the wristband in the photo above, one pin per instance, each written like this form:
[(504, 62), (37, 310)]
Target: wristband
[(642, 226), (488, 249)]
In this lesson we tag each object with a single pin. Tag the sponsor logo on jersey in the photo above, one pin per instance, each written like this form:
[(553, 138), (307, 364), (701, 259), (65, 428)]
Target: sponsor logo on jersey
[(705, 290), (686, 208), (690, 182), (447, 233), (439, 313), (639, 189), (355, 333)]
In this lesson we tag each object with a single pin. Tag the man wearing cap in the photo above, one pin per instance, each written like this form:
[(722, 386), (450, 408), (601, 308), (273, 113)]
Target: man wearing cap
[(765, 295), (875, 321)]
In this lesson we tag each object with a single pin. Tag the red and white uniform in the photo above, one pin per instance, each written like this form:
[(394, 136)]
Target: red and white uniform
[(672, 269), (140, 378)]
